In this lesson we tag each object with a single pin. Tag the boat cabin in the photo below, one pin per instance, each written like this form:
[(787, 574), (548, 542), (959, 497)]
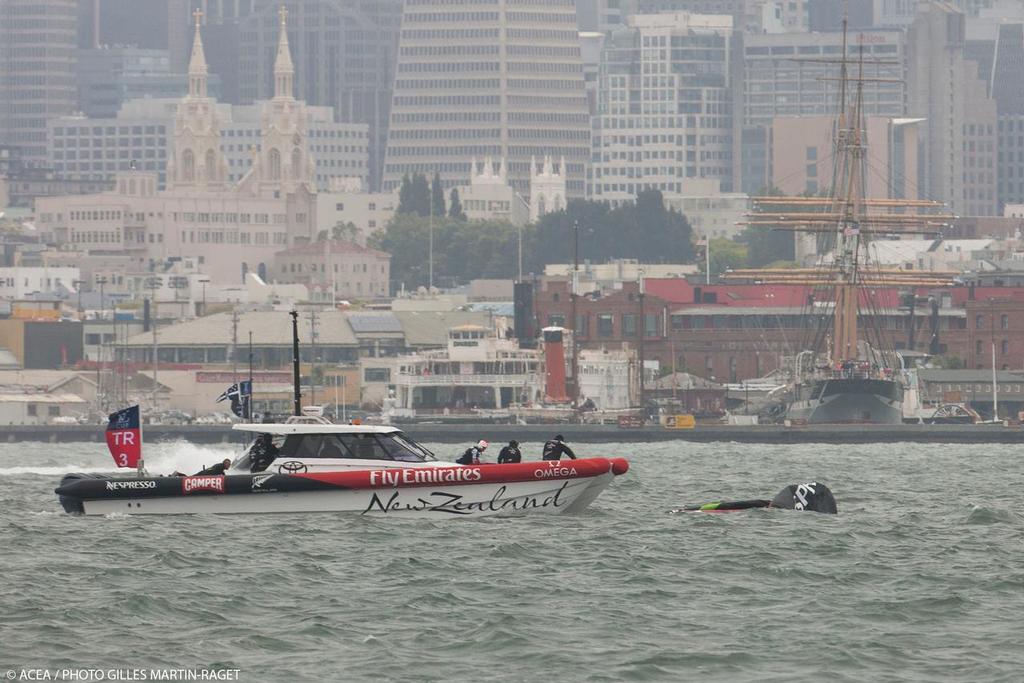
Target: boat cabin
[(320, 445)]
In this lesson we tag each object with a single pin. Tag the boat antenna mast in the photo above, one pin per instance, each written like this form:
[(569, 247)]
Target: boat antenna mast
[(297, 411)]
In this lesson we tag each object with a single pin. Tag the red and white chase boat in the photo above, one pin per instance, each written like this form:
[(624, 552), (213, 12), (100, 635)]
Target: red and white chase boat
[(315, 466)]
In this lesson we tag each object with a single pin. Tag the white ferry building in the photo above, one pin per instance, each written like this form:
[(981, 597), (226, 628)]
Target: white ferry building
[(477, 370)]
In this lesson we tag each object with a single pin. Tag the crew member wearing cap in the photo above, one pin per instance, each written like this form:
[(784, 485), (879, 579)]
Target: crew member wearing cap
[(510, 453), (556, 448), (473, 453)]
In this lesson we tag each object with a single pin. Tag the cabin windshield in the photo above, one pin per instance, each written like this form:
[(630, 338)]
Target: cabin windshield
[(354, 446)]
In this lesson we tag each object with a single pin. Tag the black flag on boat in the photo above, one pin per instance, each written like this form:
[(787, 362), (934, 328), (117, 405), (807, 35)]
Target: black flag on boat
[(239, 394)]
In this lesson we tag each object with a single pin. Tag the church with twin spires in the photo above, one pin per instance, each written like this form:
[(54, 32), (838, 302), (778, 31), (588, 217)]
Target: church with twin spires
[(229, 229), (280, 164)]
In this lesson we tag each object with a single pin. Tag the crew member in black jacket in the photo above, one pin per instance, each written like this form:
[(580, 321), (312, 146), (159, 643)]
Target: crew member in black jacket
[(510, 453), (556, 448), (473, 454)]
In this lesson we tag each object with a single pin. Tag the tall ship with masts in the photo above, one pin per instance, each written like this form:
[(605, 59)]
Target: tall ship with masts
[(847, 370)]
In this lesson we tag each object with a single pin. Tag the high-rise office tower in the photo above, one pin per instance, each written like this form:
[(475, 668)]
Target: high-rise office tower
[(958, 155), (1007, 79), (37, 58), (488, 78), (793, 74), (665, 110), (750, 16), (123, 23)]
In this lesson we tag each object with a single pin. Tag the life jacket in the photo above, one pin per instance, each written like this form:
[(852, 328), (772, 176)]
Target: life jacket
[(470, 457), (552, 450), (510, 454)]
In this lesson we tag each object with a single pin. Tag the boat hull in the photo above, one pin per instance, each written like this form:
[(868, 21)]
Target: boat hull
[(847, 400), (439, 492)]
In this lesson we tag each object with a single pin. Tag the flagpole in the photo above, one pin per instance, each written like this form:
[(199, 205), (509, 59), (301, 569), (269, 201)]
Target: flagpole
[(142, 458)]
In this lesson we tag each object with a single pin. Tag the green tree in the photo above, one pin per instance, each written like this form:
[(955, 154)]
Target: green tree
[(766, 246), (414, 195), (726, 255), (645, 230), (405, 195), (437, 195), (455, 206), (421, 194), (345, 230), (463, 250)]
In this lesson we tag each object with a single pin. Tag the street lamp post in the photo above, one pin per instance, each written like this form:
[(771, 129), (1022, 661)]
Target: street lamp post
[(101, 281), (153, 283), (572, 298), (642, 329), (430, 247), (707, 259), (203, 283), (78, 285), (520, 270)]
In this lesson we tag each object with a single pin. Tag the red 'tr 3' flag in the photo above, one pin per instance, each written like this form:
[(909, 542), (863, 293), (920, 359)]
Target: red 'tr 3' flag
[(124, 437)]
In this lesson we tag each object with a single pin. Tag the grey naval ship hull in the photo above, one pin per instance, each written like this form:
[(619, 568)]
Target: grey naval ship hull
[(837, 401)]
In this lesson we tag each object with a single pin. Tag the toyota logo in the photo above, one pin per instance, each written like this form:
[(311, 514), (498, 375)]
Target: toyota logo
[(291, 467)]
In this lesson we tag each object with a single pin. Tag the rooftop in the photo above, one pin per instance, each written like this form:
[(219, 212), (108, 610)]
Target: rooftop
[(430, 328), (334, 247), (269, 328), (982, 376), (306, 428), (819, 309), (334, 328)]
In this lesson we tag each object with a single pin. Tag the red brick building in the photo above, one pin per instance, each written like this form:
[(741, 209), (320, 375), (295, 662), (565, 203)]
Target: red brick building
[(737, 332), (999, 322)]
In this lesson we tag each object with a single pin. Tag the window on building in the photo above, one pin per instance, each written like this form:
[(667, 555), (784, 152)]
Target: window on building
[(977, 346), (1004, 322), (651, 327), (979, 321), (1005, 347), (377, 375), (629, 324), (31, 410), (582, 325), (605, 325)]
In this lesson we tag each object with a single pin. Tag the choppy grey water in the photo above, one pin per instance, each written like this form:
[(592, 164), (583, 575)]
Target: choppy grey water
[(920, 576)]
